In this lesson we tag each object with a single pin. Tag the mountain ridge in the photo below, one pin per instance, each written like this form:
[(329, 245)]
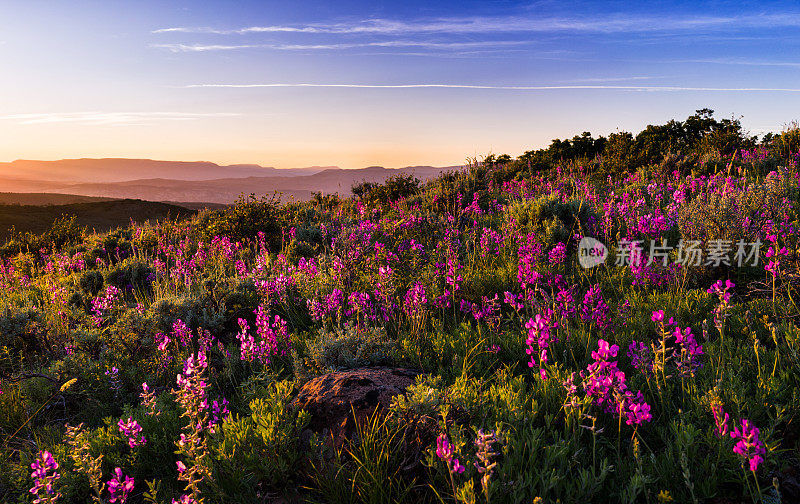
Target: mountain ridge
[(224, 186)]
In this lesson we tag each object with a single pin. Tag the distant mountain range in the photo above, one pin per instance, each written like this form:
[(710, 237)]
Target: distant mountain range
[(189, 181), (122, 169)]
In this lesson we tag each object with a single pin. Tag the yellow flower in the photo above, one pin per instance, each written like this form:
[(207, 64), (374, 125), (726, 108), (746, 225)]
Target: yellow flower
[(664, 496)]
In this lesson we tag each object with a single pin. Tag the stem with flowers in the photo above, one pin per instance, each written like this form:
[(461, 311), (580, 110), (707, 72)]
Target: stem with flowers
[(191, 395)]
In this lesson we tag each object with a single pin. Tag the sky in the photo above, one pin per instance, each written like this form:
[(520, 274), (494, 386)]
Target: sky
[(360, 83)]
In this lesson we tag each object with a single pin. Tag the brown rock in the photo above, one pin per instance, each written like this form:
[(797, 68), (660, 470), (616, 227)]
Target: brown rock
[(333, 399)]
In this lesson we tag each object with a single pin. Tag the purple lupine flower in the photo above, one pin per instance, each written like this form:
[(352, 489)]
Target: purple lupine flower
[(491, 241), (415, 300), (558, 254), (721, 310), (119, 488), (604, 351), (539, 334), (526, 273), (113, 380), (273, 338), (163, 342), (513, 300), (444, 450), (103, 303), (607, 386), (595, 309), (748, 446), (219, 412), (687, 355), (638, 410), (191, 396), (133, 431), (45, 473), (181, 333), (641, 356)]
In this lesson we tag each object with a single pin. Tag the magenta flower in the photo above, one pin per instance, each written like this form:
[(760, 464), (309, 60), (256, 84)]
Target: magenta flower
[(748, 446), (641, 356), (687, 354), (607, 386), (45, 473), (658, 316), (415, 300), (119, 488), (444, 450), (181, 333), (273, 338), (638, 411), (604, 351), (558, 254), (595, 309), (103, 303), (133, 431), (491, 241), (539, 334)]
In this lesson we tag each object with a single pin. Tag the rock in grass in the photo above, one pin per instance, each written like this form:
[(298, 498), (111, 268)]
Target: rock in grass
[(339, 399)]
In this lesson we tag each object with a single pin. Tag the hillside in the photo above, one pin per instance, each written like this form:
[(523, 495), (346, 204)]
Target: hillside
[(98, 215), (12, 198)]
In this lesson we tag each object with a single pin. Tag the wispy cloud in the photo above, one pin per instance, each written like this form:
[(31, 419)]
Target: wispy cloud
[(744, 62), (613, 79), (608, 24), (109, 118), (179, 48), (509, 88)]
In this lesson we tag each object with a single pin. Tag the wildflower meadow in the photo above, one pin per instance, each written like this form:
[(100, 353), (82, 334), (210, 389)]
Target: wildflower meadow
[(158, 362)]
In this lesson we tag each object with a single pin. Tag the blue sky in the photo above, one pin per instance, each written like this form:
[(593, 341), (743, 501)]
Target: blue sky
[(394, 83)]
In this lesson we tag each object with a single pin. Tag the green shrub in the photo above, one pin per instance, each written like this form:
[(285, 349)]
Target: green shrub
[(553, 220), (350, 348), (245, 219), (131, 274), (392, 189), (91, 282), (23, 329), (195, 311), (261, 448)]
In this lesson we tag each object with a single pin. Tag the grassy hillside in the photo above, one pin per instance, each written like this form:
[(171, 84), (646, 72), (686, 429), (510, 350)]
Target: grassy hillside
[(35, 199), (95, 216)]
